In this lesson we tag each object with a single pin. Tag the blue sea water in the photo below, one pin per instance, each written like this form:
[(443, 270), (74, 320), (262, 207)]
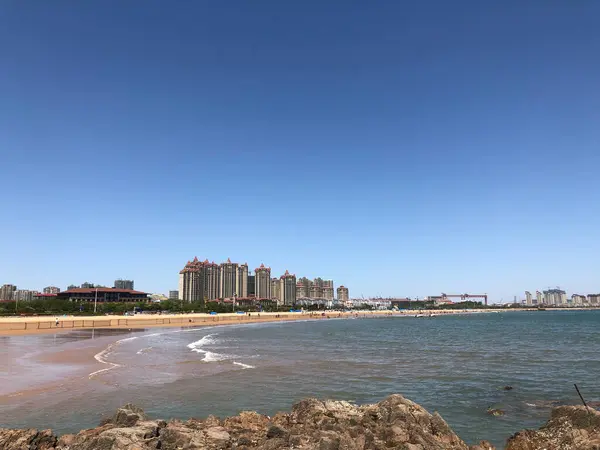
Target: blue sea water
[(456, 365)]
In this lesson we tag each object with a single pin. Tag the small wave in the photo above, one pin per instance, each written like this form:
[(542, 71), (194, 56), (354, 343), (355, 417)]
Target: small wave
[(128, 339), (195, 346), (213, 357), (244, 366), (144, 350), (101, 358)]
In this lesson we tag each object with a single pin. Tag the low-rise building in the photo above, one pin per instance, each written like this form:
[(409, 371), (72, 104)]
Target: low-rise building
[(103, 295), (173, 295)]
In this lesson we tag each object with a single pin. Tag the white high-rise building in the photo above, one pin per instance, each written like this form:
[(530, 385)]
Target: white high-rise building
[(528, 299)]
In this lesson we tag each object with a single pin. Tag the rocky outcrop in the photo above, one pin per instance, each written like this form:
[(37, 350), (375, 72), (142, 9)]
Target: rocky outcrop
[(569, 428), (312, 425)]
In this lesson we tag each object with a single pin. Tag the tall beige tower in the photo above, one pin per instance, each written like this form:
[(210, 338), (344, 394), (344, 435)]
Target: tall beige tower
[(263, 281), (343, 294), (288, 289), (276, 289), (228, 272), (191, 282), (242, 281)]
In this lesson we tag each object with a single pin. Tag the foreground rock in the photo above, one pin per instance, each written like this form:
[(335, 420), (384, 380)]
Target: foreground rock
[(313, 424), (569, 428)]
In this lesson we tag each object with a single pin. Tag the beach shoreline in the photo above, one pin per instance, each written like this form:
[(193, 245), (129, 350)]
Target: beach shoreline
[(19, 326)]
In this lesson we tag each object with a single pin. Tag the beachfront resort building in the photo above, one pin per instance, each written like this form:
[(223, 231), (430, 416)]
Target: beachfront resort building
[(102, 295), (343, 294), (262, 281)]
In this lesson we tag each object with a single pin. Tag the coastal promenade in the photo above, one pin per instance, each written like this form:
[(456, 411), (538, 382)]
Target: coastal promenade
[(48, 324)]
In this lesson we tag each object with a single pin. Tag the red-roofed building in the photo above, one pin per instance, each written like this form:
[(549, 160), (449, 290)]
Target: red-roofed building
[(103, 295)]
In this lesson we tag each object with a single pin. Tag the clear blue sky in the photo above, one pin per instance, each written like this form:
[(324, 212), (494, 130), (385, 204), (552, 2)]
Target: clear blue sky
[(400, 148)]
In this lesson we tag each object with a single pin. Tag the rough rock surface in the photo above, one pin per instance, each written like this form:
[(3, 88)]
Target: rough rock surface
[(569, 428), (312, 425)]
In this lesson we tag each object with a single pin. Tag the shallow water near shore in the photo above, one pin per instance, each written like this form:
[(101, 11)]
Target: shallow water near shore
[(456, 365)]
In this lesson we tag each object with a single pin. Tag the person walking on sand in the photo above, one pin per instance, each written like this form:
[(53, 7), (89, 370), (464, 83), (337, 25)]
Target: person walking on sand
[(57, 321)]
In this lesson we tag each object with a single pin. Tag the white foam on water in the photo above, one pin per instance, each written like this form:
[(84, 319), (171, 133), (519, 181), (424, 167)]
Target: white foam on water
[(208, 355), (244, 366), (127, 339), (144, 350), (208, 339), (101, 358), (213, 357)]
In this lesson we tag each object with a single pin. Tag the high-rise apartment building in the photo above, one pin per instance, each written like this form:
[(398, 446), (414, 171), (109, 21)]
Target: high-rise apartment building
[(6, 291), (276, 289), (124, 284), (51, 290), (242, 281), (251, 285), (191, 282), (87, 285), (288, 289), (206, 281), (593, 299), (328, 289), (528, 299), (263, 281), (229, 279), (212, 280), (538, 298), (578, 300), (342, 294), (555, 297), (303, 288), (173, 295)]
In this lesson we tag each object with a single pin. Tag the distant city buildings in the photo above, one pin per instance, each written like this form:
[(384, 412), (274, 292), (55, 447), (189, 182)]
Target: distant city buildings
[(123, 284), (51, 290), (173, 295), (23, 295), (558, 298), (87, 285), (6, 292)]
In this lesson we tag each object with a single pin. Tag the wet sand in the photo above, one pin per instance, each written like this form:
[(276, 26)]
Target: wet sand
[(15, 326)]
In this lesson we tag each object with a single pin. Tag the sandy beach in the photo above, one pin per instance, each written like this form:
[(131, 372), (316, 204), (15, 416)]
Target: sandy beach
[(14, 326)]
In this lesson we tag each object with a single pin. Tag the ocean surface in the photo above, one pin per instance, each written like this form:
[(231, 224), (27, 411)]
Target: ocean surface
[(456, 365)]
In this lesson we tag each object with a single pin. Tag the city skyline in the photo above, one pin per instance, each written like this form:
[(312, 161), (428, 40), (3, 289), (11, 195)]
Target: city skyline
[(407, 148)]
